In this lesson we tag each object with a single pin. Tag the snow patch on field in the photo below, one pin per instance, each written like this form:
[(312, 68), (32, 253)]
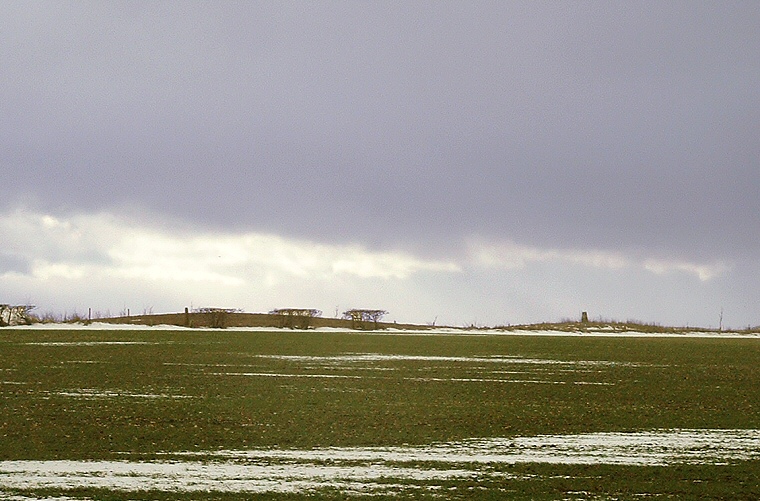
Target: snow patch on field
[(92, 343), (193, 476), (97, 326), (372, 361), (379, 469), (590, 332), (376, 357), (429, 367), (417, 379), (88, 393), (652, 448), (283, 375)]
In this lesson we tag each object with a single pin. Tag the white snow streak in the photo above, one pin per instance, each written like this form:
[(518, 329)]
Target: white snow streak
[(380, 469)]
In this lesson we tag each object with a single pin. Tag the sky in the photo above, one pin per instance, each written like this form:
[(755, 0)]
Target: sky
[(462, 163)]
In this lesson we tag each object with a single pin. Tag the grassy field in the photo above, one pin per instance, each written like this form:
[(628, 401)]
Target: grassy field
[(199, 398)]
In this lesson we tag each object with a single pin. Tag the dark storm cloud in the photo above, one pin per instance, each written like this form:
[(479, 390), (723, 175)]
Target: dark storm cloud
[(588, 124)]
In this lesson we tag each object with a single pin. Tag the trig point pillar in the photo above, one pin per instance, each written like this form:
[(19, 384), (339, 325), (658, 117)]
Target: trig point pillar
[(584, 317)]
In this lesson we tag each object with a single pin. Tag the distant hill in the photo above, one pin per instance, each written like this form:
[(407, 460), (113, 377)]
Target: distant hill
[(221, 318)]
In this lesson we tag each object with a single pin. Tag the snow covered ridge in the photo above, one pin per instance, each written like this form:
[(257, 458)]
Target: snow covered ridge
[(380, 469), (602, 331)]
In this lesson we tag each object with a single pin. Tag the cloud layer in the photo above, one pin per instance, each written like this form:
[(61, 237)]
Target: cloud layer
[(553, 125), (113, 261), (397, 143), (509, 256)]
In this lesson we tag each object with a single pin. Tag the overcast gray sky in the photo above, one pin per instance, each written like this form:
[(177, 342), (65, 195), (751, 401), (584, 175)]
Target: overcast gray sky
[(478, 162)]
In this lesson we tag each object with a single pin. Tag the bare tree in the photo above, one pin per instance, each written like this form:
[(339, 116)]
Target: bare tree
[(296, 318), (5, 315), (217, 317), (16, 315), (364, 319)]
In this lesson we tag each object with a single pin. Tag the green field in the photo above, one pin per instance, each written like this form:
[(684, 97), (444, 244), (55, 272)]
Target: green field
[(240, 399)]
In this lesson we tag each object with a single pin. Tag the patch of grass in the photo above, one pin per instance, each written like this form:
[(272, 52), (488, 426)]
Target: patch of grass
[(237, 397)]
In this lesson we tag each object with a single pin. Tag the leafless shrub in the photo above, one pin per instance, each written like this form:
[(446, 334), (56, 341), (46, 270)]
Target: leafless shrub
[(296, 318), (364, 319), (74, 318), (50, 317), (217, 317)]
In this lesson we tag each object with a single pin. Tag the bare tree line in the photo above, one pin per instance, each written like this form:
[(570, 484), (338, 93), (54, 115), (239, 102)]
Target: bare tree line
[(364, 319), (292, 318), (300, 318)]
